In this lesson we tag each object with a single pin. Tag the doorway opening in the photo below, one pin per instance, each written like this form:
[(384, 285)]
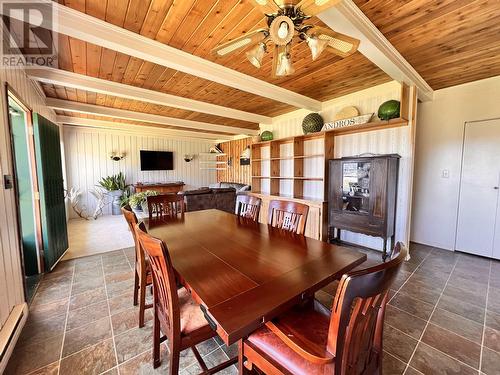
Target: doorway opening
[(27, 197)]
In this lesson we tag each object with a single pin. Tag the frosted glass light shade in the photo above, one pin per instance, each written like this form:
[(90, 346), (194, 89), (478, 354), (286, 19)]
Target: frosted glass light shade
[(256, 54), (316, 45)]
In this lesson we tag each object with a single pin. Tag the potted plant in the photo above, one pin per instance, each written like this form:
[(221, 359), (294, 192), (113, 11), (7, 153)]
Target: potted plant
[(138, 200), (115, 185)]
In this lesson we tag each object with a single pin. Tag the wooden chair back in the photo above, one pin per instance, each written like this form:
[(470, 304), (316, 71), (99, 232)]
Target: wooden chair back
[(248, 206), (165, 297), (167, 205), (291, 216), (132, 222), (356, 324)]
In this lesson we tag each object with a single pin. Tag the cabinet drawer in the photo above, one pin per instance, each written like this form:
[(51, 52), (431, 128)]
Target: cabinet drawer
[(357, 223)]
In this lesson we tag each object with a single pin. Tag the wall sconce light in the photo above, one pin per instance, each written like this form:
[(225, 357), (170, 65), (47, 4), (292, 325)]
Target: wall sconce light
[(117, 156), (188, 157)]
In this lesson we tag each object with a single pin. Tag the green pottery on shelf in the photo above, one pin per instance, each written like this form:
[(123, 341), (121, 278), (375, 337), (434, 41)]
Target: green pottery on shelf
[(312, 123), (389, 110), (266, 136)]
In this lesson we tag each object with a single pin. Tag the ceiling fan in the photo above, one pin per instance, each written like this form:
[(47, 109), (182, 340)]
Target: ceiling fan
[(285, 19)]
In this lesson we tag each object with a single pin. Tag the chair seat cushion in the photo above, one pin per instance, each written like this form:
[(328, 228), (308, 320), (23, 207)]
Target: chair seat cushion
[(308, 325), (192, 318)]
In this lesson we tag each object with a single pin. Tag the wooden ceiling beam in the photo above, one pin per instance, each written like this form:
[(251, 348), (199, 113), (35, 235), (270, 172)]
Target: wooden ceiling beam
[(348, 19), (67, 105), (102, 86), (143, 129), (90, 29)]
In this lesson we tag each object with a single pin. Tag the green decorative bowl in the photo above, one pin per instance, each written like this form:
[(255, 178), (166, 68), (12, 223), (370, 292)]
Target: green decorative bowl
[(389, 110), (266, 136), (312, 123)]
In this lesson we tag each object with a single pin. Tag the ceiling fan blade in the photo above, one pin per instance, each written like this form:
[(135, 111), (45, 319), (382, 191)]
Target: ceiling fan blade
[(340, 44), (266, 6), (314, 7), (244, 41)]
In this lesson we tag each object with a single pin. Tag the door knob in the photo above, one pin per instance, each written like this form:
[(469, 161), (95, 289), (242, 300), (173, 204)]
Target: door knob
[(495, 187)]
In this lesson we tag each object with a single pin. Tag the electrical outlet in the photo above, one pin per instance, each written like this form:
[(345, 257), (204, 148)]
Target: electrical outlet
[(445, 173)]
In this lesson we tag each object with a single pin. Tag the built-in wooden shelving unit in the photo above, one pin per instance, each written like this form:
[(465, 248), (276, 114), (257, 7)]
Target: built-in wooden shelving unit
[(296, 168), (281, 167)]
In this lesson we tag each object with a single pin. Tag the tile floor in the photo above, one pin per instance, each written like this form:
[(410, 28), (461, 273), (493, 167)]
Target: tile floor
[(82, 321), (443, 318)]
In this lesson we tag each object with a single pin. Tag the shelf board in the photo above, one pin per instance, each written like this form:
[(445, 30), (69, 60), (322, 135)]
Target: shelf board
[(315, 200), (290, 178), (292, 157), (369, 126), (211, 154)]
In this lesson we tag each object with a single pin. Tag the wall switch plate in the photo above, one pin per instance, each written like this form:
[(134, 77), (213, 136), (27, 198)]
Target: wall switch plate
[(445, 173), (8, 181)]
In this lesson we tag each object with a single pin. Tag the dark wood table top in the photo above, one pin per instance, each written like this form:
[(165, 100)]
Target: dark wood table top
[(245, 273)]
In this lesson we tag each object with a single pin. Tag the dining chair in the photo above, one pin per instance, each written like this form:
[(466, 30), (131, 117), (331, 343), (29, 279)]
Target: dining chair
[(142, 273), (176, 314), (309, 339), (291, 216), (166, 205), (248, 206)]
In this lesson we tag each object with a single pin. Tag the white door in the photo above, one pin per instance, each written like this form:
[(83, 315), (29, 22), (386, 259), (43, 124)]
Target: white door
[(478, 230)]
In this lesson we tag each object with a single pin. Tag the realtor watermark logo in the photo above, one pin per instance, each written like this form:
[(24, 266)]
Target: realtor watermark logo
[(28, 33)]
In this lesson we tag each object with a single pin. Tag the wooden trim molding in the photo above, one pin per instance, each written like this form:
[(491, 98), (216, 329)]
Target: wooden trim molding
[(145, 129), (87, 83), (348, 19), (90, 29), (70, 106)]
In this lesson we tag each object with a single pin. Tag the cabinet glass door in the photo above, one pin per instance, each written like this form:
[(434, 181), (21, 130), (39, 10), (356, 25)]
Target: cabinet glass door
[(356, 186)]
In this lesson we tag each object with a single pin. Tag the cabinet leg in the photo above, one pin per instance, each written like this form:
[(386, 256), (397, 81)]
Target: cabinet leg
[(338, 235), (384, 254)]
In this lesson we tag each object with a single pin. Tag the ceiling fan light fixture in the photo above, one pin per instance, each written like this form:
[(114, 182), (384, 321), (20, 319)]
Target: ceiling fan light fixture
[(316, 45), (256, 54), (283, 30), (285, 66)]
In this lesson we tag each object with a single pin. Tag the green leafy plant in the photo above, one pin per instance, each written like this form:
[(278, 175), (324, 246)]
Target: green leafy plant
[(125, 198), (114, 182), (139, 199)]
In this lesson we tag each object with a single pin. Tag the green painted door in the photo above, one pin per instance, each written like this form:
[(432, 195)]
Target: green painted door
[(24, 188), (51, 187)]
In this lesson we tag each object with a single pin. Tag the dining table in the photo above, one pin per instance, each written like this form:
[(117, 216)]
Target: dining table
[(243, 273)]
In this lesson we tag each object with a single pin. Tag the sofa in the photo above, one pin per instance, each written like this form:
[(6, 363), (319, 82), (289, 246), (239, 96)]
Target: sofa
[(221, 196), (240, 188)]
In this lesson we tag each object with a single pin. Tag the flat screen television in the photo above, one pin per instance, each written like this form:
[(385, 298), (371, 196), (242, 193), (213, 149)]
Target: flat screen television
[(157, 160)]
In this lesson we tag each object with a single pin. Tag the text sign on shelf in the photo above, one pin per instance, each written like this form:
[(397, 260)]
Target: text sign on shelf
[(358, 120)]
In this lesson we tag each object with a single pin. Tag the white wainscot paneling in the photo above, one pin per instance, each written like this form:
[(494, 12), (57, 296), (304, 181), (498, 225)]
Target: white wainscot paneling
[(87, 158)]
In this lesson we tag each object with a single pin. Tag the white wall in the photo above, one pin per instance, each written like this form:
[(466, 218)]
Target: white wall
[(387, 141), (11, 277), (439, 146), (87, 160)]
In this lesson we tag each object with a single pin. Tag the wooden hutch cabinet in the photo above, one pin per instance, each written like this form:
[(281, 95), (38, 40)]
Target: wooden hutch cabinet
[(362, 196)]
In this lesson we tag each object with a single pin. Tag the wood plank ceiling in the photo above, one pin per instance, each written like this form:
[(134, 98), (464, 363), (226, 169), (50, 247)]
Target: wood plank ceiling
[(448, 42), (196, 26)]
